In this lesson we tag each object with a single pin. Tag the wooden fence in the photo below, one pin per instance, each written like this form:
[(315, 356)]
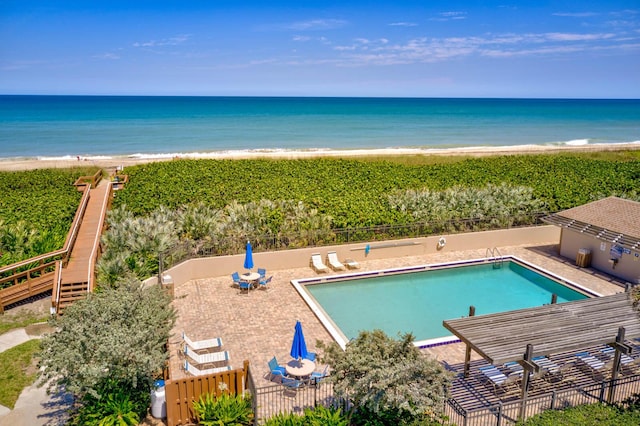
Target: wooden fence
[(181, 393)]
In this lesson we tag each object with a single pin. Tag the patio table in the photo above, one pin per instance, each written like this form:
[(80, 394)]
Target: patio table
[(300, 368), (251, 277)]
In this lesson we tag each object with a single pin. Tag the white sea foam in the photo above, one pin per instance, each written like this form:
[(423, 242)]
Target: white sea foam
[(577, 142)]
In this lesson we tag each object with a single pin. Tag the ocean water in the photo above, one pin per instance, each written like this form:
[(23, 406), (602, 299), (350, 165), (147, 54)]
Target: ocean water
[(51, 127)]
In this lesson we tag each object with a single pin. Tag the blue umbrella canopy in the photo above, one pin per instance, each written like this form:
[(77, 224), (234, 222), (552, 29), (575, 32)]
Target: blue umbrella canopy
[(248, 257), (299, 346)]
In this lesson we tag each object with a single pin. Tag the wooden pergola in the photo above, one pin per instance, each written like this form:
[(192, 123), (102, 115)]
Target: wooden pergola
[(556, 328)]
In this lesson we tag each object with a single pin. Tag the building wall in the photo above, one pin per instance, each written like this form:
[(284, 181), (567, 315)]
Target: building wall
[(627, 267), (298, 258)]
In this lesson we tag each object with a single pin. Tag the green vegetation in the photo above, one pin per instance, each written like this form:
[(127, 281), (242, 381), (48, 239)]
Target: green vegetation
[(354, 192), (587, 415), (389, 382), (109, 349), (36, 211), (224, 410), (17, 371), (319, 416)]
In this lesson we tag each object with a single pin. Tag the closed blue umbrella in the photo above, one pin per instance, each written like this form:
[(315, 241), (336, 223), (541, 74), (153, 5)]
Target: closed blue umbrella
[(248, 257), (299, 346)]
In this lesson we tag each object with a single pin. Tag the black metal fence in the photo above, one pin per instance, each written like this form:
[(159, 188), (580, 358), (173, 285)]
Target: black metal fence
[(234, 245), (271, 400), (507, 413)]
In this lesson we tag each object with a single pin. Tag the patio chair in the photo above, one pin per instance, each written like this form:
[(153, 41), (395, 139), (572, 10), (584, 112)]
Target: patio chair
[(245, 285), (500, 382), (236, 278), (551, 369), (264, 282), (208, 358), (201, 345), (334, 263), (317, 264), (351, 264), (262, 272), (292, 385), (593, 365), (609, 352), (276, 369), (317, 376), (191, 369)]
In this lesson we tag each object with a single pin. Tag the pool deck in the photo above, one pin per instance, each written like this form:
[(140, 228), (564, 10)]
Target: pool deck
[(259, 325)]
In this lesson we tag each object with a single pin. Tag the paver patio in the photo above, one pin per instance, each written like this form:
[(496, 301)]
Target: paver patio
[(257, 326)]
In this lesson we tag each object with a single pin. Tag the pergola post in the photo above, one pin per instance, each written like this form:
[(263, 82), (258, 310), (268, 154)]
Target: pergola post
[(620, 348), (528, 366), (467, 353)]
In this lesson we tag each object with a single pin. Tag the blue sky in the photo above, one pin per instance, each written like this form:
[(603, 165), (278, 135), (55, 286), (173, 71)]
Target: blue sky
[(331, 48)]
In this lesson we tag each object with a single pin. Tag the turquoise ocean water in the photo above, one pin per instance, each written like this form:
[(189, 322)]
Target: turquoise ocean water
[(51, 127)]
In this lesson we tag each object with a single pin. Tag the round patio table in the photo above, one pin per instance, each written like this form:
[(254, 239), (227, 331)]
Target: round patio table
[(252, 277), (300, 368)]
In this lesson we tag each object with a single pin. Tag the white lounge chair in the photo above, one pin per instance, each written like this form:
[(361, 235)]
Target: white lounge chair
[(206, 358), (351, 264), (334, 263), (317, 264), (200, 345), (190, 368)]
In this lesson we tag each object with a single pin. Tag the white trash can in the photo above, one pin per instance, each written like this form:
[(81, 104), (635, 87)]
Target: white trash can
[(158, 400)]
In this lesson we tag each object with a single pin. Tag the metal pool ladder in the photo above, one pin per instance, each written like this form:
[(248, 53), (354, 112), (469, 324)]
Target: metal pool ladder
[(493, 255)]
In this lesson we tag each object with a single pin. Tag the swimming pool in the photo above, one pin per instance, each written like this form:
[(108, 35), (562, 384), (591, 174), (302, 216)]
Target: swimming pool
[(418, 299)]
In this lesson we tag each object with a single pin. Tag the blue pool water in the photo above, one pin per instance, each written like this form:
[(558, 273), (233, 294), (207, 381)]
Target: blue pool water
[(418, 302)]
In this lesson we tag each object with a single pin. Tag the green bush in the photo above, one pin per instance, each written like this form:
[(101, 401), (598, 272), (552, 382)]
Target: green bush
[(224, 410), (36, 210), (319, 416), (116, 403), (585, 415)]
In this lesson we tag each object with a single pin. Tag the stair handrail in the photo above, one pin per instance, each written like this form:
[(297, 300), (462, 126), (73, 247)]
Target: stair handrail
[(70, 240), (55, 294), (494, 255), (96, 243)]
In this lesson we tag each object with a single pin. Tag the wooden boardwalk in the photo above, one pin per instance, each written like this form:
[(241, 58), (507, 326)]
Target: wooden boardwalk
[(76, 278)]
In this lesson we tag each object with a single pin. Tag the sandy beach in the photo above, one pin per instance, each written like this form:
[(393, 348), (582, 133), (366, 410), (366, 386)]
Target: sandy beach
[(124, 161)]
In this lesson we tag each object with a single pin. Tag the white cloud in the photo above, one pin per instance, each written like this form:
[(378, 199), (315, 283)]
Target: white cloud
[(107, 56), (317, 24), (447, 16), (172, 41), (403, 24), (575, 14), (577, 37)]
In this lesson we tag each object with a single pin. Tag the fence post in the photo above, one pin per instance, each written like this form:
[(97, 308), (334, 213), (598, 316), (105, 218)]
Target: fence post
[(554, 395), (602, 388), (499, 414)]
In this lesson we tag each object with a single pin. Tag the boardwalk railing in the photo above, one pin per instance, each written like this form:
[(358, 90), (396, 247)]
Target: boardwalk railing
[(33, 276)]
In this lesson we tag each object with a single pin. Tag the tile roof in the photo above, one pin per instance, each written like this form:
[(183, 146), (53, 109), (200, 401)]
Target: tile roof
[(611, 219)]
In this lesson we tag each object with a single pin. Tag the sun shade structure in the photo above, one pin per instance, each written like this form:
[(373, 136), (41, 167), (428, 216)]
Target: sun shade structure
[(248, 257), (299, 346), (550, 329), (525, 334)]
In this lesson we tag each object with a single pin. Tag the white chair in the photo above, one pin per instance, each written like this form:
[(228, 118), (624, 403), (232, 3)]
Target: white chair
[(200, 345), (317, 264), (332, 259), (351, 264), (206, 358), (189, 368)]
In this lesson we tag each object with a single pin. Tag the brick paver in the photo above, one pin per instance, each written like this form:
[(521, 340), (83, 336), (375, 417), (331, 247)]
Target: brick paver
[(259, 325)]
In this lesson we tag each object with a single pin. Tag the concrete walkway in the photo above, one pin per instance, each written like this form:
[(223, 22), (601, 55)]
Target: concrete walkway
[(33, 407)]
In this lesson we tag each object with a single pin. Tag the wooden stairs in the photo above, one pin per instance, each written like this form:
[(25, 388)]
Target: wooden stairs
[(76, 279)]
